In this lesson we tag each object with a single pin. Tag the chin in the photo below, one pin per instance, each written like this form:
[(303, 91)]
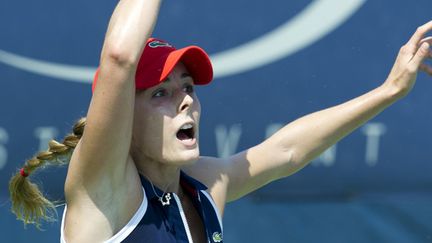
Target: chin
[(190, 157), (185, 157)]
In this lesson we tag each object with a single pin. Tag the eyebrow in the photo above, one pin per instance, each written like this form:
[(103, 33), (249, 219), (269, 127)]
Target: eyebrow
[(184, 75)]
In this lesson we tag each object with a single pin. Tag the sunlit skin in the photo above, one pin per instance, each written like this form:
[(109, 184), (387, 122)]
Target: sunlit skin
[(159, 113)]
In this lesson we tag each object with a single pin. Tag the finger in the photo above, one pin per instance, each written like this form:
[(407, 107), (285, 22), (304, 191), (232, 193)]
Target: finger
[(418, 35), (422, 53), (425, 68), (427, 39)]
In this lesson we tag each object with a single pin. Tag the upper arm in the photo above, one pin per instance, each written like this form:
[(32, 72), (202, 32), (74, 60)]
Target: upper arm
[(231, 178), (255, 167), (104, 146)]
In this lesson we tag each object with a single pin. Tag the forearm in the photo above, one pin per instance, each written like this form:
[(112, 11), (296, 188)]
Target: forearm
[(307, 137)]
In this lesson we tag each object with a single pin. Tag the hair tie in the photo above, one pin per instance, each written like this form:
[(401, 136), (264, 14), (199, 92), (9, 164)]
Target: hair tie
[(23, 173)]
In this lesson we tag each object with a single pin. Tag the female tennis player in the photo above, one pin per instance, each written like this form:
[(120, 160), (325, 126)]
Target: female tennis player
[(135, 171)]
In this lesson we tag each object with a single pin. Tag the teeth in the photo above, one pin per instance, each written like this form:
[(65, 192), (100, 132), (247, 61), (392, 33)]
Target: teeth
[(186, 126)]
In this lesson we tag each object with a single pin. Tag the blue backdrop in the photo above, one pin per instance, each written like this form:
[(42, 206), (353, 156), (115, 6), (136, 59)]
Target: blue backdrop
[(274, 62)]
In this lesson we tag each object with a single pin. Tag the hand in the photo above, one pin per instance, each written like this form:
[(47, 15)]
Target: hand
[(410, 59)]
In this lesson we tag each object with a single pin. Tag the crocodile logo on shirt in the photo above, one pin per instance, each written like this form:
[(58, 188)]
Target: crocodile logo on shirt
[(217, 237)]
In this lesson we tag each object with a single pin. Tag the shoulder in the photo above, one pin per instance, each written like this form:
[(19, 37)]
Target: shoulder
[(212, 172), (208, 170)]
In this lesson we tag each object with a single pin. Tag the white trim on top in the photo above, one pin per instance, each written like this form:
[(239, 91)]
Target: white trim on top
[(183, 216)]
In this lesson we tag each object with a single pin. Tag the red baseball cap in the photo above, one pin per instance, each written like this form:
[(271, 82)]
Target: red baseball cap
[(159, 58)]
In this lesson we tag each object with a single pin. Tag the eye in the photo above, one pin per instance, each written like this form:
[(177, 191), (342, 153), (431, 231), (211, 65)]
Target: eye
[(159, 93), (189, 88)]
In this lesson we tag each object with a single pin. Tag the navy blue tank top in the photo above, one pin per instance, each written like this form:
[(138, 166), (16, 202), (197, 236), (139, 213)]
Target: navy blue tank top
[(157, 222), (164, 220)]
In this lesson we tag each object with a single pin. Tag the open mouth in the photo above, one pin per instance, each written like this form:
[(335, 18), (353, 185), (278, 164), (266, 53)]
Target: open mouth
[(186, 132)]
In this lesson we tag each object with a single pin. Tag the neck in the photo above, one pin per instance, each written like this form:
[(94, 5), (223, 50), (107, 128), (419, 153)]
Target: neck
[(165, 177)]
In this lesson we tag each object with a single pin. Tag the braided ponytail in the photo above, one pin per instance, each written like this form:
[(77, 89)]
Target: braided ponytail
[(28, 202)]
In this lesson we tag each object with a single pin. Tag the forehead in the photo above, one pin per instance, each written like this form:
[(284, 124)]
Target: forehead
[(178, 74)]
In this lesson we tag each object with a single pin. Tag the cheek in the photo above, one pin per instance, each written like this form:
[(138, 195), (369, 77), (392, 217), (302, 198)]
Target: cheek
[(197, 106), (197, 113), (144, 122), (149, 136), (153, 126), (196, 116)]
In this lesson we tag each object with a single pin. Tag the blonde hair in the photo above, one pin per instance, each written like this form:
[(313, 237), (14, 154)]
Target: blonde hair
[(28, 202)]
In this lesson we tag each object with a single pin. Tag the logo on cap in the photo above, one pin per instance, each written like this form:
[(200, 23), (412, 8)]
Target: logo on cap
[(156, 44)]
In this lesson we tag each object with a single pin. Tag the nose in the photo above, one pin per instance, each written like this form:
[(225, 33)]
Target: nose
[(185, 101)]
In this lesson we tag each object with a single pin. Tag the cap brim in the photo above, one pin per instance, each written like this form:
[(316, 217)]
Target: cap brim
[(196, 61)]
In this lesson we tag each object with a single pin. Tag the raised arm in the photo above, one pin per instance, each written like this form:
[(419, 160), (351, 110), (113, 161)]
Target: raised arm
[(296, 144), (99, 164), (100, 160)]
